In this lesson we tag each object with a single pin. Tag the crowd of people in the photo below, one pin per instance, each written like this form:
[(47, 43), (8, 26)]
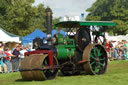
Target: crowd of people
[(117, 50), (10, 59)]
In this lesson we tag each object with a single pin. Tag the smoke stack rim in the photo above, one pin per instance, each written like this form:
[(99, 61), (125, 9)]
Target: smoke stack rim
[(48, 10)]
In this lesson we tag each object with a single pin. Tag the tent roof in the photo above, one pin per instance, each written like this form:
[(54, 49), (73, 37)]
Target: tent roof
[(8, 37), (37, 33), (10, 34)]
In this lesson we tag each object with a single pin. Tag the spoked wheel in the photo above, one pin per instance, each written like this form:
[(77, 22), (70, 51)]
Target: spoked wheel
[(96, 56), (32, 67), (50, 73)]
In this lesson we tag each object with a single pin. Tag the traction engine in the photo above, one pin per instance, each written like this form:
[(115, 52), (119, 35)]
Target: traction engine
[(81, 50)]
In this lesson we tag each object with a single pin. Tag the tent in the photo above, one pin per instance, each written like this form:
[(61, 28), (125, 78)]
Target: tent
[(8, 37), (61, 32), (118, 38), (37, 33)]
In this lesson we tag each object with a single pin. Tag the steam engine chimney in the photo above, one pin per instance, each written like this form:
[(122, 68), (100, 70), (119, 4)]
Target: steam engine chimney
[(49, 25), (48, 21)]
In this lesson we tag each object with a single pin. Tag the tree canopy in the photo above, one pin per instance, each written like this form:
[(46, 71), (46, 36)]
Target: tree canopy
[(110, 10), (20, 17)]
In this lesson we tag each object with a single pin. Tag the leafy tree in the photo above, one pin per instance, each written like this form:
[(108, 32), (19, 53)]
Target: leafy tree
[(20, 17), (111, 10)]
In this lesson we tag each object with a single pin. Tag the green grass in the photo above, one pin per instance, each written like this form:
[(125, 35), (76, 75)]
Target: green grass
[(117, 75)]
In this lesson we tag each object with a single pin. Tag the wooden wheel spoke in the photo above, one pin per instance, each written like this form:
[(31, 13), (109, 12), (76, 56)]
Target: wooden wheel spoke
[(92, 63), (100, 64), (99, 52), (101, 59), (92, 56)]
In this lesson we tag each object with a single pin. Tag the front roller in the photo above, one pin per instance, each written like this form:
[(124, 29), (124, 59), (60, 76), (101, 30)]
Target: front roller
[(97, 59), (33, 67)]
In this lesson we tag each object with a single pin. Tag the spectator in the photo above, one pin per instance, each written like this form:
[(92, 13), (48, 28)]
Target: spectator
[(110, 49), (28, 48), (107, 48), (121, 53), (127, 49), (2, 55), (15, 59), (114, 53), (114, 50), (7, 59), (22, 53), (21, 47), (16, 45)]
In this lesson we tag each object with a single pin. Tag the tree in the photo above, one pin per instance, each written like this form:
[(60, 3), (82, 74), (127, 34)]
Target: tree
[(20, 17), (111, 10)]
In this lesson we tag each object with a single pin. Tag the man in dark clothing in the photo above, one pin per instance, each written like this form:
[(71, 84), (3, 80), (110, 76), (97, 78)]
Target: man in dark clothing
[(15, 59)]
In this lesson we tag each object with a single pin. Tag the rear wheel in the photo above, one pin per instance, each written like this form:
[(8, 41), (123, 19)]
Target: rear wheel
[(96, 56)]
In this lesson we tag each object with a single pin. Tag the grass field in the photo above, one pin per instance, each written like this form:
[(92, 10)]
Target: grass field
[(117, 75)]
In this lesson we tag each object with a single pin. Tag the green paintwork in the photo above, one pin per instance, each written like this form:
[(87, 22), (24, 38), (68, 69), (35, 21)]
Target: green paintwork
[(100, 64), (77, 24), (92, 56), (92, 63), (60, 39), (96, 52), (94, 49), (64, 53), (101, 59), (65, 47), (99, 52), (69, 43), (96, 70)]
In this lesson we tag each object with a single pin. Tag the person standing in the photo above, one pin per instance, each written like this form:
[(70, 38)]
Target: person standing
[(22, 53), (127, 50), (2, 55), (15, 59), (108, 49), (7, 60)]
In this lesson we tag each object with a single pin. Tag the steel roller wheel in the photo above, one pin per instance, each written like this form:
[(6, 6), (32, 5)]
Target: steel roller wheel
[(36, 63), (97, 59), (26, 64)]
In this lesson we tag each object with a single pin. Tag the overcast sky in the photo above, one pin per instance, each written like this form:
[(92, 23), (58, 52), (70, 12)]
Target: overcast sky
[(63, 8)]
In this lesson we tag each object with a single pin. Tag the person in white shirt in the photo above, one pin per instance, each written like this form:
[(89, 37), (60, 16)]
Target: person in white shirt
[(22, 52)]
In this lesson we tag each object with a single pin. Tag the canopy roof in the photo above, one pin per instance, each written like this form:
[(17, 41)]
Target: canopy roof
[(37, 33), (8, 37), (76, 24)]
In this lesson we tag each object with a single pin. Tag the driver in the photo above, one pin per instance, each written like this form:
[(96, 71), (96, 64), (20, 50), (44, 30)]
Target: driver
[(57, 37)]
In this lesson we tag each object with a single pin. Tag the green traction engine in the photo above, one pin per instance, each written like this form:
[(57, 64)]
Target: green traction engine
[(81, 50)]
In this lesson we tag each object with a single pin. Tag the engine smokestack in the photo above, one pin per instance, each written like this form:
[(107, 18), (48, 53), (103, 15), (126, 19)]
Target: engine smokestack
[(49, 21)]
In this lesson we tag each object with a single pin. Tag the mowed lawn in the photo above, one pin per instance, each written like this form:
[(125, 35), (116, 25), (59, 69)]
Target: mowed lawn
[(117, 75)]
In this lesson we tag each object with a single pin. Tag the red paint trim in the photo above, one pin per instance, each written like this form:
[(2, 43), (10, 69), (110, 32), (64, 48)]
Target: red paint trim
[(50, 58), (49, 52)]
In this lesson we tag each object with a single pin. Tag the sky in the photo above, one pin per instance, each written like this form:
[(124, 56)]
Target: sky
[(63, 8)]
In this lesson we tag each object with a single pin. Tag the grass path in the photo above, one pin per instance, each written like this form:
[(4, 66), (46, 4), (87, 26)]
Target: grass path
[(117, 75)]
